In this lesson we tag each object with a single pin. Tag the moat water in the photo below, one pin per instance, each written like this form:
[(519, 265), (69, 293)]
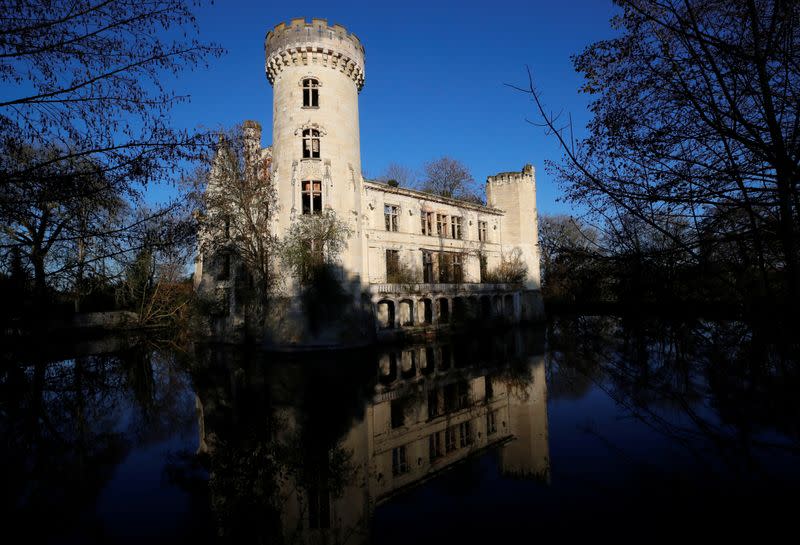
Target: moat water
[(598, 427)]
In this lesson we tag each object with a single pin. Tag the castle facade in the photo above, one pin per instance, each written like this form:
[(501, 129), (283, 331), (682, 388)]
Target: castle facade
[(412, 259)]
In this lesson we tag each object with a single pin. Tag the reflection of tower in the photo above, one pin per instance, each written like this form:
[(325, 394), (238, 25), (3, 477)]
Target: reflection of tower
[(528, 455), (316, 72)]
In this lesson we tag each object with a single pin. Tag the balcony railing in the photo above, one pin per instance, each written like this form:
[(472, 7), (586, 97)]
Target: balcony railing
[(464, 287)]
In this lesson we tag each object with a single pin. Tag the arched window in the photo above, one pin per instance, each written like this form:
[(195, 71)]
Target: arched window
[(310, 144), (310, 93)]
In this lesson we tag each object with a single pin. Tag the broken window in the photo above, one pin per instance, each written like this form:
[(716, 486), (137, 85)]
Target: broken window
[(399, 463), (310, 93), (310, 144), (427, 267), (445, 262), (398, 409), (482, 231), (482, 261), (390, 213), (458, 268), (441, 225), (426, 219), (392, 266), (312, 196), (455, 227)]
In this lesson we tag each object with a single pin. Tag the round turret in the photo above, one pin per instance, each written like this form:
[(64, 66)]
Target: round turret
[(314, 43)]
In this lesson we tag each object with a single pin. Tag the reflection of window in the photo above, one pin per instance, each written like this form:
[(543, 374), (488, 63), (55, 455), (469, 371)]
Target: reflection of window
[(312, 196), (450, 439), (310, 144), (441, 225), (427, 267), (491, 422), (433, 400), (399, 463), (427, 223), (482, 231), (465, 431), (319, 501), (398, 413), (455, 227), (435, 446), (310, 93), (390, 213), (392, 266)]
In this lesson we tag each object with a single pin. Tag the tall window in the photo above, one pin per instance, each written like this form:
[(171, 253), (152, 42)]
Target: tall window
[(427, 223), (310, 93), (399, 463), (390, 213), (312, 196), (310, 144), (445, 260), (491, 422), (392, 265), (450, 439), (482, 231), (455, 226), (435, 446), (441, 225), (482, 261), (427, 267), (458, 269)]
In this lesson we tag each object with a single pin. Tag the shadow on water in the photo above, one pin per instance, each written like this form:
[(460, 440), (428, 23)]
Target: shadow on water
[(652, 426)]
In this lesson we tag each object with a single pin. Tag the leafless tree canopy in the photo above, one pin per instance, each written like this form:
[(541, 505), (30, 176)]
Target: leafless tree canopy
[(448, 177), (403, 175), (694, 148)]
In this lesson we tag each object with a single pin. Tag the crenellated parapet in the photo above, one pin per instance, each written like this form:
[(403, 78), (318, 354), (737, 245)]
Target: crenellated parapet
[(525, 175), (302, 43)]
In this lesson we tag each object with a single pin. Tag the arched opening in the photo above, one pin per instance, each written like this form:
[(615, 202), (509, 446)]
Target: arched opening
[(508, 306), (406, 312), (497, 303), (426, 362), (444, 310), (426, 311), (408, 364), (387, 368), (486, 306), (385, 313)]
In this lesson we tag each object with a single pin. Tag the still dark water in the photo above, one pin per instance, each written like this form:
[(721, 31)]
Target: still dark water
[(596, 427)]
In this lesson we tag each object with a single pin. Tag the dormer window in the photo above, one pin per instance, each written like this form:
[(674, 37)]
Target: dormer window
[(310, 144), (310, 93)]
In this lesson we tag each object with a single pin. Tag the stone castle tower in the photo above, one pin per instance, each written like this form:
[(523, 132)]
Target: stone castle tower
[(316, 72)]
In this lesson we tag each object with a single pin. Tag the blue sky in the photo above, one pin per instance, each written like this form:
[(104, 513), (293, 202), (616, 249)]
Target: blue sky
[(435, 77)]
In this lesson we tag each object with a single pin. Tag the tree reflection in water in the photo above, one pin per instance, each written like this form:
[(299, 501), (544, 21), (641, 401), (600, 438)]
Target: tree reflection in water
[(449, 440)]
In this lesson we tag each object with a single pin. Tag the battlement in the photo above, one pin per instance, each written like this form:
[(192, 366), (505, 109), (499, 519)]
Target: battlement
[(301, 42), (526, 174)]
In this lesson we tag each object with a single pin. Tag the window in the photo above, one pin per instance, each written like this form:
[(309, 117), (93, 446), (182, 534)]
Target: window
[(310, 144), (458, 269), (399, 463), (482, 231), (487, 386), (392, 266), (426, 218), (312, 196), (433, 400), (441, 225), (482, 261), (450, 439), (435, 446), (427, 267), (491, 422), (390, 213), (445, 261), (310, 93), (465, 431), (455, 227)]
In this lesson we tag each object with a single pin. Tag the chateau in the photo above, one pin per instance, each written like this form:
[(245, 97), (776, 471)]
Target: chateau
[(413, 259)]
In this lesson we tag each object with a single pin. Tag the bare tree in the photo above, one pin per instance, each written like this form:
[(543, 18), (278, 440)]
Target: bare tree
[(401, 174), (83, 87), (238, 203), (696, 136), (449, 177)]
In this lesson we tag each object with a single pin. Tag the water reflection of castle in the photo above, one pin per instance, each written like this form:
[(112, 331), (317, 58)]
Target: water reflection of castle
[(428, 408)]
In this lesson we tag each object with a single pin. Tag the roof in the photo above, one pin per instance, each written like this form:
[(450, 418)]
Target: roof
[(424, 195)]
